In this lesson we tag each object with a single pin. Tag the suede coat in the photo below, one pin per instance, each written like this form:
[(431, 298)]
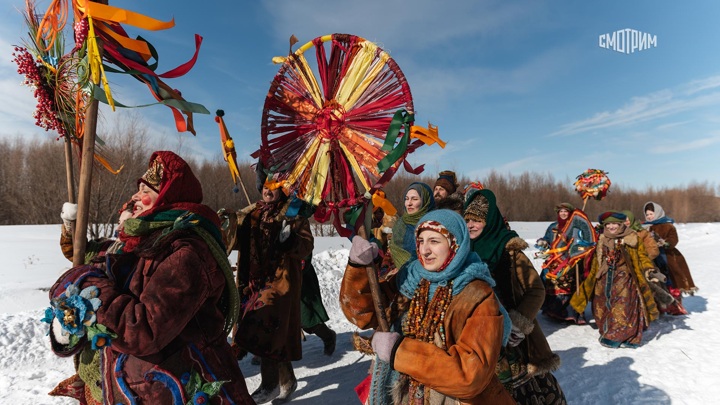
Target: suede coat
[(465, 373), (522, 293), (651, 247), (269, 278), (678, 267)]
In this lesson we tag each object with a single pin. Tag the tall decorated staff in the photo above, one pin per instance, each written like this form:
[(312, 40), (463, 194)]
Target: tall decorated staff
[(101, 46), (334, 140), (592, 183), (229, 154)]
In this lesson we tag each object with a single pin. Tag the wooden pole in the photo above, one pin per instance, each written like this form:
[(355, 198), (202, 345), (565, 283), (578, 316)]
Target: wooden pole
[(584, 202), (364, 231), (69, 170), (86, 168), (85, 181)]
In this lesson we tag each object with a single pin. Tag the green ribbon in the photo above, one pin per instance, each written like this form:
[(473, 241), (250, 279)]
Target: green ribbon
[(182, 105), (401, 119)]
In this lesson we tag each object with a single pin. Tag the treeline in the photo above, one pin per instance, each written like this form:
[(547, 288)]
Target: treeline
[(33, 186)]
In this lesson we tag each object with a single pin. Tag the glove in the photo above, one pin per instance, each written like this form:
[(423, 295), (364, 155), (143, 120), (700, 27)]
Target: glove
[(515, 336), (383, 343), (661, 242), (541, 244), (284, 232), (68, 215), (362, 251)]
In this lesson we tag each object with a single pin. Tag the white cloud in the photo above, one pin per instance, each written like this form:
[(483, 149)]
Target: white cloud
[(659, 104), (681, 145)]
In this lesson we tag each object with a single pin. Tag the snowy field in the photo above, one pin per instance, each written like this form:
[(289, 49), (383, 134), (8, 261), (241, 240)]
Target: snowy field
[(675, 364)]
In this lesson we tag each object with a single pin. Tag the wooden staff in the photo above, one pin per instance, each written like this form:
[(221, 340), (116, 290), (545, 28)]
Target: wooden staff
[(362, 231), (86, 167)]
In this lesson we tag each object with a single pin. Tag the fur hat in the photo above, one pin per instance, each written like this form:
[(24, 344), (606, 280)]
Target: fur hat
[(447, 180), (477, 209)]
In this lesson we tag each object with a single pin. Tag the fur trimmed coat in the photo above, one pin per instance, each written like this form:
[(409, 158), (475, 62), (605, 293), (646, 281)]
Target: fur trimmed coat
[(167, 325), (269, 278), (462, 374), (522, 293), (677, 266)]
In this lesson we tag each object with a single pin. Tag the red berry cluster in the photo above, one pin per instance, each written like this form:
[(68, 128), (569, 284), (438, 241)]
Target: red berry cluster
[(46, 112), (81, 32)]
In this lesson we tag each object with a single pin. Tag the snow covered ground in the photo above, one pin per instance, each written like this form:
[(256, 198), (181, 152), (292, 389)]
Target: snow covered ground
[(676, 363)]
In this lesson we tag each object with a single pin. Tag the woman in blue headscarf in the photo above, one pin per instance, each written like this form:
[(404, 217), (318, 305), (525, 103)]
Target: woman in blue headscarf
[(447, 324)]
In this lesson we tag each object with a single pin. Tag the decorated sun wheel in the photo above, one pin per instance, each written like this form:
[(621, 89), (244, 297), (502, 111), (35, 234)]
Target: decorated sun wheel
[(592, 183), (337, 122)]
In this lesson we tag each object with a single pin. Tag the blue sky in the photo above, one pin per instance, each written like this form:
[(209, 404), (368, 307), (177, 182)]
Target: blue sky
[(513, 86)]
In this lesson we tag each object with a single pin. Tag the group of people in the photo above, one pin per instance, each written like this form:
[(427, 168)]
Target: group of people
[(461, 298), (158, 315)]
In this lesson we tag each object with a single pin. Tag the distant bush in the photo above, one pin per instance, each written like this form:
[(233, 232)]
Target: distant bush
[(33, 186)]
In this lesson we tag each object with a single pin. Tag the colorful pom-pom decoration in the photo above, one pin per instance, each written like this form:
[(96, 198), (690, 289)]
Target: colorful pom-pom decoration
[(592, 183)]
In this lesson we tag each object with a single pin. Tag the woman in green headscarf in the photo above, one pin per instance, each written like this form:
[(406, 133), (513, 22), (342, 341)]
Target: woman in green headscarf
[(418, 201), (526, 363)]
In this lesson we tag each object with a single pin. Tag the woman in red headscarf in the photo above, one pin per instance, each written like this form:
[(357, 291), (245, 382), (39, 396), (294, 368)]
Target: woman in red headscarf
[(161, 308)]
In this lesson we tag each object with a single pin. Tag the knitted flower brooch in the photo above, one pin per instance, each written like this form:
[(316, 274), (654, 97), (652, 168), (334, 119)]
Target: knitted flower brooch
[(74, 311)]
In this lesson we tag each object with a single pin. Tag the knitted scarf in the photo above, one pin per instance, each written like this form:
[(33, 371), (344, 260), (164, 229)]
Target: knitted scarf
[(464, 268), (490, 245), (137, 229), (609, 246), (402, 244)]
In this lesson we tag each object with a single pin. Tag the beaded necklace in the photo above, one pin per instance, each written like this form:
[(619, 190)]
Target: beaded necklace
[(423, 320)]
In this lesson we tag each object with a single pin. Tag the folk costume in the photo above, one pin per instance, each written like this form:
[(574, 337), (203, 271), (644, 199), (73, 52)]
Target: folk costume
[(568, 245), (670, 259), (622, 301), (269, 278), (667, 298), (524, 368), (451, 323), (159, 309)]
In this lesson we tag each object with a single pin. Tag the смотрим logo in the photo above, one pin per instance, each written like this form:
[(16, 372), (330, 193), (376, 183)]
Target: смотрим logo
[(627, 41)]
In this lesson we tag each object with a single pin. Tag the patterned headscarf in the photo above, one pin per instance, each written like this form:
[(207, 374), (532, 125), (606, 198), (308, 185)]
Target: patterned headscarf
[(490, 245)]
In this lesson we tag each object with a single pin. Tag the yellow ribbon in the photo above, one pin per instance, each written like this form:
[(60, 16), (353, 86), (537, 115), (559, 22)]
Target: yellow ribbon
[(427, 135)]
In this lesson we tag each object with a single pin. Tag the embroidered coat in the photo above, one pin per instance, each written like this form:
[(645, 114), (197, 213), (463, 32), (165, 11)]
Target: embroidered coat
[(269, 278), (465, 373), (637, 258), (525, 292)]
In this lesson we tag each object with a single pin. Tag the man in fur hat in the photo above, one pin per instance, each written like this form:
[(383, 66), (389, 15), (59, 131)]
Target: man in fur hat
[(445, 185)]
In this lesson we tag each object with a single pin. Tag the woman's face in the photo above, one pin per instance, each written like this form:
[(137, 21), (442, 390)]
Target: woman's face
[(475, 228), (649, 215), (433, 249), (144, 200), (413, 202), (563, 213), (270, 196), (613, 227)]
